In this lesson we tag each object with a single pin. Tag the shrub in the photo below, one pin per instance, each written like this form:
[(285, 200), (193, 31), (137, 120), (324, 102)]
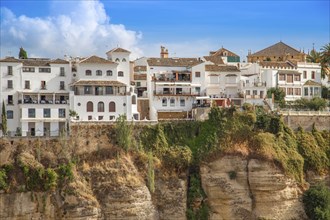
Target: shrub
[(123, 133), (317, 202), (3, 179), (178, 157)]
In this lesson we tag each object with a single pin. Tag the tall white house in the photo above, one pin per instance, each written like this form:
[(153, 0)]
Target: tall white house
[(36, 95)]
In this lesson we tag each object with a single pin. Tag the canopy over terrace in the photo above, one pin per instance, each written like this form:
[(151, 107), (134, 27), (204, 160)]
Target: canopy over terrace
[(43, 97)]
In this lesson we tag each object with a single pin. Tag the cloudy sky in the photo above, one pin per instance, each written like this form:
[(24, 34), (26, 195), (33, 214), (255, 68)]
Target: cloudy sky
[(187, 28)]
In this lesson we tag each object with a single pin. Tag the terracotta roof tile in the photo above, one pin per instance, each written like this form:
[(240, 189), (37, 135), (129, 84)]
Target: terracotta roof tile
[(271, 64), (221, 52), (216, 68), (118, 50), (59, 61), (96, 59), (177, 62), (312, 83), (214, 59), (278, 49), (288, 72), (9, 60)]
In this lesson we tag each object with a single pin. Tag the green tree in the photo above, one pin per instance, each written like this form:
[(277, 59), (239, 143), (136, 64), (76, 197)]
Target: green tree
[(279, 95), (314, 57), (325, 60), (317, 202), (123, 133), (22, 53), (4, 119)]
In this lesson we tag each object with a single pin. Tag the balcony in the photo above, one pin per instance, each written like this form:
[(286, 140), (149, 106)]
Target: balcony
[(176, 93), (53, 98)]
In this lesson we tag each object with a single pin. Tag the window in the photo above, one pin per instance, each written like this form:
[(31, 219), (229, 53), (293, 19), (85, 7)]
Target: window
[(120, 73), (247, 92), (10, 70), (172, 102), (164, 102), (109, 72), (99, 72), (112, 117), (46, 112), (27, 84), (44, 70), (138, 84), (112, 107), (62, 73), (289, 91), (90, 117), (89, 106), (296, 77), (255, 92), (108, 90), (178, 91), (10, 114), (100, 117), (305, 91), (28, 69), (10, 84), (316, 91), (31, 113), (198, 90), (100, 107), (98, 90), (197, 74), (43, 84), (88, 72), (117, 60), (124, 60), (182, 102), (10, 100), (87, 90), (133, 100), (305, 74), (61, 112), (297, 91), (289, 78), (62, 86), (313, 74), (282, 77)]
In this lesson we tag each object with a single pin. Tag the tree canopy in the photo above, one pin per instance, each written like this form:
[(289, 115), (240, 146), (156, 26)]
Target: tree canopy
[(22, 53)]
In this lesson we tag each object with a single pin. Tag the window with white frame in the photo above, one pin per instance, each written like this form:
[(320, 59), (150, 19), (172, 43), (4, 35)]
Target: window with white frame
[(172, 102), (182, 102), (10, 114), (164, 102)]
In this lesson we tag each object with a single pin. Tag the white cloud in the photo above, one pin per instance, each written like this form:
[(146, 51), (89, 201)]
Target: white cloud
[(82, 29)]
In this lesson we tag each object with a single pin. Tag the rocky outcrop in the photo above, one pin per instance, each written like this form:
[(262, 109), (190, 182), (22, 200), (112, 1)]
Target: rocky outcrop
[(239, 188)]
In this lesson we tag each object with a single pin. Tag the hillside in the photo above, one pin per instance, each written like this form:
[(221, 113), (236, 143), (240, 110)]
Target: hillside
[(238, 164)]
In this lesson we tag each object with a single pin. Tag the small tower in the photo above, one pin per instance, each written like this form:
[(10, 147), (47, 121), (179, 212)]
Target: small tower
[(163, 52)]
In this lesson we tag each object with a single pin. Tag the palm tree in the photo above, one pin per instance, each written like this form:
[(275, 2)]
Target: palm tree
[(313, 56), (325, 60)]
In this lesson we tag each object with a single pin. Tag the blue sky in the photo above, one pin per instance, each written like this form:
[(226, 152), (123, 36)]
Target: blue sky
[(186, 28)]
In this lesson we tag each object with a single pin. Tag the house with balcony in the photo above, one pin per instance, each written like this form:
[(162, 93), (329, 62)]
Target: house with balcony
[(101, 89), (36, 95)]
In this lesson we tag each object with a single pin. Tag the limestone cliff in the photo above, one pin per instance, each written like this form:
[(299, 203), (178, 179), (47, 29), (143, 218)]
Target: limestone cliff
[(241, 188)]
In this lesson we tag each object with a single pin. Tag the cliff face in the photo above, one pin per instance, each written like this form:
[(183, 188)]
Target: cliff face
[(239, 188)]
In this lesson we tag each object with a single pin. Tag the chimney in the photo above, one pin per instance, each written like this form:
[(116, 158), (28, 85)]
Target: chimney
[(163, 52)]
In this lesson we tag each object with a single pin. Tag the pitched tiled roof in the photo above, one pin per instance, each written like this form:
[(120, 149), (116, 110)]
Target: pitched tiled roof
[(177, 62), (271, 64), (278, 49), (96, 59), (10, 60), (221, 51), (140, 68), (59, 61), (214, 59), (216, 68), (97, 83), (118, 50), (312, 83)]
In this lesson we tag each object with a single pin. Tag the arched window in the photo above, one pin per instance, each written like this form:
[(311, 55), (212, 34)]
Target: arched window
[(90, 106), (112, 107), (120, 73), (88, 72), (109, 72), (124, 60), (99, 72), (100, 107), (117, 60), (133, 100), (164, 102)]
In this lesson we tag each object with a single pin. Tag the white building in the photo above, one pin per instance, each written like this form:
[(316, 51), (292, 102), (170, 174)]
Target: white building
[(101, 89), (36, 95)]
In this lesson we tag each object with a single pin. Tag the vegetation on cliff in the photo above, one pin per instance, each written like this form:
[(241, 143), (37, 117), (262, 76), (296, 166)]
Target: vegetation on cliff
[(317, 202)]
